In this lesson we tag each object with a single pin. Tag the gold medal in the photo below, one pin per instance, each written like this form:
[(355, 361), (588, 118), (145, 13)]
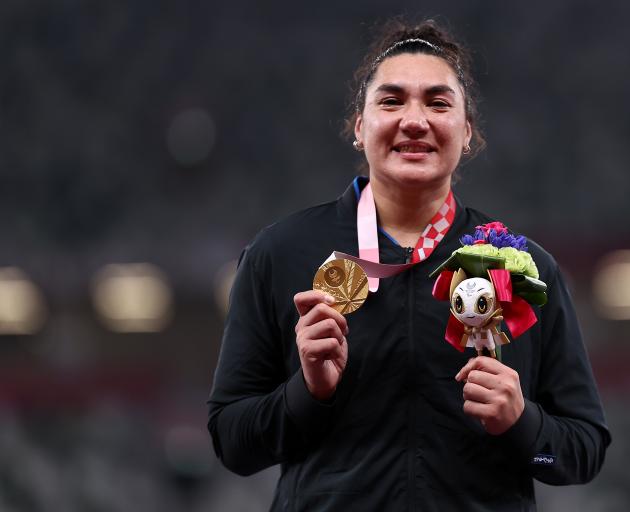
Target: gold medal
[(346, 281)]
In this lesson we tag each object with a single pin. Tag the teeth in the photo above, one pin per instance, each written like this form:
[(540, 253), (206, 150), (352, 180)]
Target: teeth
[(412, 149)]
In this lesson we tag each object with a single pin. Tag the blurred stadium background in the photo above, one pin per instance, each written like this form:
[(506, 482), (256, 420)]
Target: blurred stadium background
[(143, 144)]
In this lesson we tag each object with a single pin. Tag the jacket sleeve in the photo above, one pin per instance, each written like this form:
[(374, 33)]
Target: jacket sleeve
[(259, 414), (562, 433)]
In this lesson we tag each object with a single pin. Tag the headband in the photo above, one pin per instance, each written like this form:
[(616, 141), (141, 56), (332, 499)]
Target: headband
[(405, 42)]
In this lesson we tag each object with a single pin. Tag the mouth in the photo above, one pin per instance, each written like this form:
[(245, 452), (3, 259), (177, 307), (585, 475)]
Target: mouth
[(413, 147)]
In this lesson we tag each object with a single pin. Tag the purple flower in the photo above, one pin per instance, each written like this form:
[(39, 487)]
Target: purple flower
[(495, 234), (521, 243), (503, 240), (479, 235), (467, 240)]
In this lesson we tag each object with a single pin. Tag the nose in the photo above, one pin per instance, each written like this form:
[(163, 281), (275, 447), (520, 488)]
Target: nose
[(414, 122)]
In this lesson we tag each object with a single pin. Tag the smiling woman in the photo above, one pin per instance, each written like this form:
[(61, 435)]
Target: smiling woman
[(414, 130), (399, 38), (413, 126), (373, 410)]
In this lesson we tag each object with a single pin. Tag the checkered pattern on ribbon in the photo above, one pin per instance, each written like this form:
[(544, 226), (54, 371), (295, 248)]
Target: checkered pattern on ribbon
[(368, 237), (437, 227)]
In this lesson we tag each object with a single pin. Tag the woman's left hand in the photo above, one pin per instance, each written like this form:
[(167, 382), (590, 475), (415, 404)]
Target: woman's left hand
[(492, 393)]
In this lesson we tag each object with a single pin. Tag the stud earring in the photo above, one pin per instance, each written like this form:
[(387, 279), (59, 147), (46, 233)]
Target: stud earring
[(357, 145)]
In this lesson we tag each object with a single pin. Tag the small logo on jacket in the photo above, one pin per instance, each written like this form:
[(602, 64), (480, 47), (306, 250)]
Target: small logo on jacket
[(543, 458)]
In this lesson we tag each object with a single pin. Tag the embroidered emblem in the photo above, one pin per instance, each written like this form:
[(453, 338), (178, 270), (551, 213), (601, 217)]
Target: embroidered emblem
[(544, 459)]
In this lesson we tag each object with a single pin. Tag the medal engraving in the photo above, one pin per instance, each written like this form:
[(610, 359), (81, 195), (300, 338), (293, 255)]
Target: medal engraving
[(345, 281)]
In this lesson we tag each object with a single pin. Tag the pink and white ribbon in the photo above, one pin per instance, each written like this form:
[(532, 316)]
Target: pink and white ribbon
[(367, 233)]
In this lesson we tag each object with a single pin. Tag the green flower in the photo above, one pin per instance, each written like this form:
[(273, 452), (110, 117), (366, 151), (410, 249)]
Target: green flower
[(518, 262), (480, 249)]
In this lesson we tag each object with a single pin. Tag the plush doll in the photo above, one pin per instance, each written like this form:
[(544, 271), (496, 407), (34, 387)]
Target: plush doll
[(474, 304), (490, 279)]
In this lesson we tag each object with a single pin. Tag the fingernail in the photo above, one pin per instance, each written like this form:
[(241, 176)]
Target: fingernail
[(457, 376), (329, 299), (347, 330), (344, 340)]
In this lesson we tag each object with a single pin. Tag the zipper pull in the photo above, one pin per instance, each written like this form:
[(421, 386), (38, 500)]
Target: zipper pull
[(409, 254)]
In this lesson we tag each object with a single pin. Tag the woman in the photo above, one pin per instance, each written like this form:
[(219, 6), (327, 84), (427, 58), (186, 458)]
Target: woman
[(374, 411)]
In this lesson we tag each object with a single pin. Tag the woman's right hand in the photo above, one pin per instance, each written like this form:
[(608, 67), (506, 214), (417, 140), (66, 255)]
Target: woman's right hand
[(321, 340)]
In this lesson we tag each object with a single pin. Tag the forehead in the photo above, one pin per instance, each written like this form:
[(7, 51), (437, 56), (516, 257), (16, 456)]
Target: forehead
[(474, 285), (415, 69)]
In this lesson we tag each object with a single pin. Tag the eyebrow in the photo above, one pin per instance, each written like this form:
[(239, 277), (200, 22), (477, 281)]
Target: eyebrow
[(434, 89), (390, 88), (440, 89)]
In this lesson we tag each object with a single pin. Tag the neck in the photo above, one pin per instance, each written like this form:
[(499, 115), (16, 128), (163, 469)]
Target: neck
[(404, 213)]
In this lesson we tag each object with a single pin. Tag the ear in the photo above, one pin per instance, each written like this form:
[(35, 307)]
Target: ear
[(468, 136), (358, 124), (458, 277)]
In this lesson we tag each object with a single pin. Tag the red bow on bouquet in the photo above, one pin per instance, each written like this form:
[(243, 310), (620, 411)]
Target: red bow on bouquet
[(494, 254), (517, 313)]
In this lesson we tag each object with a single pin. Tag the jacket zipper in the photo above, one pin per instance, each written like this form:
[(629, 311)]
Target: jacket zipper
[(411, 444), (408, 254)]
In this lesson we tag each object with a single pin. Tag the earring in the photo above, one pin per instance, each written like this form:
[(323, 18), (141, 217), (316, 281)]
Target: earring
[(357, 145), (466, 149)]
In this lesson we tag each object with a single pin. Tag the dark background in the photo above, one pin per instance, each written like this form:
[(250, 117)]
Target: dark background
[(170, 132)]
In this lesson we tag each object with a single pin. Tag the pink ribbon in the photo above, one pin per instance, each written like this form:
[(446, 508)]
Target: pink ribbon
[(367, 233)]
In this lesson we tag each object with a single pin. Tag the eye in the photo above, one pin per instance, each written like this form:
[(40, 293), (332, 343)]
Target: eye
[(439, 104), (458, 304), (390, 101), (482, 305)]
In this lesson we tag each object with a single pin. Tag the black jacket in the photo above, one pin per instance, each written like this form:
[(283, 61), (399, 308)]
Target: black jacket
[(394, 437)]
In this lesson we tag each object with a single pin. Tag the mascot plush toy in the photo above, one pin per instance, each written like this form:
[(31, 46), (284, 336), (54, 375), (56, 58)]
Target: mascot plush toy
[(473, 303), (490, 279)]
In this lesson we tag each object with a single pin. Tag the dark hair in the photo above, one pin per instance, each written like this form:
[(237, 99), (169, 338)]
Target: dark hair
[(396, 37)]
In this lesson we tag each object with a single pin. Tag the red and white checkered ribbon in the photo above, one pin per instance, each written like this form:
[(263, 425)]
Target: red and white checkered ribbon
[(435, 230), (367, 232)]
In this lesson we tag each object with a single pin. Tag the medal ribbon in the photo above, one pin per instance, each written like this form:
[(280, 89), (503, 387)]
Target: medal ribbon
[(367, 233)]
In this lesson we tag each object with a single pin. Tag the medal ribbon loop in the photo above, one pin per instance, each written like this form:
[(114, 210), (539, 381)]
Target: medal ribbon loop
[(367, 234)]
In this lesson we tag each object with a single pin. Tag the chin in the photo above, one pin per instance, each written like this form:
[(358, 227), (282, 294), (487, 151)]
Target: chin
[(417, 175)]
